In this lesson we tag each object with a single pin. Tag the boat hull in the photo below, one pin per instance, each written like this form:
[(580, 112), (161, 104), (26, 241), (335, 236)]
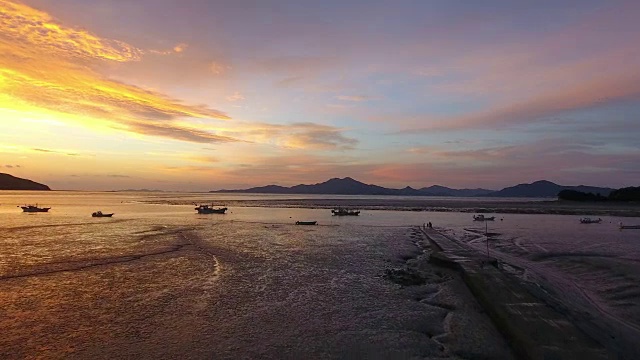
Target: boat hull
[(211, 211), (482, 218), (345, 213), (306, 222), (630, 227), (34, 210), (103, 215), (590, 221)]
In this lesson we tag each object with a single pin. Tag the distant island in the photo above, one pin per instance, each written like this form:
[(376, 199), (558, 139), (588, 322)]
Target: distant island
[(544, 188), (627, 194), (10, 182), (349, 186)]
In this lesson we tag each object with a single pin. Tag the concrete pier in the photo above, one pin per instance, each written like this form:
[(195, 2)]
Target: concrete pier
[(533, 328)]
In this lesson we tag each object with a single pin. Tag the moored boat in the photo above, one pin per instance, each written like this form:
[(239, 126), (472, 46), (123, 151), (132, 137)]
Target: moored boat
[(587, 220), (483, 218), (209, 209), (306, 222), (34, 208), (629, 226), (345, 212), (101, 214)]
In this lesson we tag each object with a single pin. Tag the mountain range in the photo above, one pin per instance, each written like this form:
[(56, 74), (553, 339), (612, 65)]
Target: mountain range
[(10, 182), (349, 186)]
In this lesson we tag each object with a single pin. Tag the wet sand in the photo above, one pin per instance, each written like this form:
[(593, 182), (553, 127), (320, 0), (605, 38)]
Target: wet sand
[(242, 290)]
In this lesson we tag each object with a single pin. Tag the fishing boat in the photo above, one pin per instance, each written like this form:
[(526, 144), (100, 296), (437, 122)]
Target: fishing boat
[(34, 208), (483, 218), (209, 209), (345, 212), (306, 222), (101, 214), (587, 220)]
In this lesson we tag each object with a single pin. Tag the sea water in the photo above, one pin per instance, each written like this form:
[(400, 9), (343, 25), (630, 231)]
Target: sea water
[(250, 283)]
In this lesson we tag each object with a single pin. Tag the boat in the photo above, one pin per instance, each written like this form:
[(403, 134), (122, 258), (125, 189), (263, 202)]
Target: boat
[(587, 220), (629, 226), (101, 214), (345, 212), (209, 209), (34, 208), (483, 218), (306, 222)]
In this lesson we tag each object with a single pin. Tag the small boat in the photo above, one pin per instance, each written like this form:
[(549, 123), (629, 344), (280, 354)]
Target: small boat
[(629, 226), (345, 212), (209, 209), (34, 208), (101, 214), (306, 222), (483, 218), (587, 220)]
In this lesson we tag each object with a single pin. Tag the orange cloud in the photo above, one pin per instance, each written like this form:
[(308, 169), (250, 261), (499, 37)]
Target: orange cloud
[(217, 68), (26, 25), (295, 136), (235, 97), (47, 67), (180, 47)]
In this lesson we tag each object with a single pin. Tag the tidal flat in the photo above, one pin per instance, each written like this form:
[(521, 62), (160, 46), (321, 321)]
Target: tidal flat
[(150, 289)]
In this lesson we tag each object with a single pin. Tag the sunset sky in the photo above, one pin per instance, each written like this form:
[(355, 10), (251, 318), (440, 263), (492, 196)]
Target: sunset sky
[(199, 95)]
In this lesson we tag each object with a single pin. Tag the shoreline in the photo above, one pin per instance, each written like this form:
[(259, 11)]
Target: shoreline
[(439, 205)]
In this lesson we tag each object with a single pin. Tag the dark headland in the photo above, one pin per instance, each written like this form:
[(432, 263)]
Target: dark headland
[(10, 182), (349, 186)]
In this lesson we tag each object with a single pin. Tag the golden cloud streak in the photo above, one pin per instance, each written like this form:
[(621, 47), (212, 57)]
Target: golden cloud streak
[(295, 136), (23, 24), (40, 72)]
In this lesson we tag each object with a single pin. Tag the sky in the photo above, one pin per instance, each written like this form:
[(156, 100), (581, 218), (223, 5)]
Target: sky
[(198, 95)]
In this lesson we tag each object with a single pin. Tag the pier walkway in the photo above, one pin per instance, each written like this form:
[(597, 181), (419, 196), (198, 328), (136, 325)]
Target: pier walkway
[(533, 328)]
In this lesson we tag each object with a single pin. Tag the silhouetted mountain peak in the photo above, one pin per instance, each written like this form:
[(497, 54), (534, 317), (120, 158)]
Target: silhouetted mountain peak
[(542, 182), (350, 186), (545, 188), (346, 180)]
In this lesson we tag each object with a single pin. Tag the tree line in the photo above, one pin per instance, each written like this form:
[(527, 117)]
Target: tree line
[(624, 194)]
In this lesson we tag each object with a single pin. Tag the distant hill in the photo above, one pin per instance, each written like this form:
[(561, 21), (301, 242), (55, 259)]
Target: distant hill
[(349, 186), (544, 188), (437, 190), (346, 186), (10, 182)]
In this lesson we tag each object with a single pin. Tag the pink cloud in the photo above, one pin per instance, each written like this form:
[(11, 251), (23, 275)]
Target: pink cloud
[(555, 159), (598, 92), (592, 62)]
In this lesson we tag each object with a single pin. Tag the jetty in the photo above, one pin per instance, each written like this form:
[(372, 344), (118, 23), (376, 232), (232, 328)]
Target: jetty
[(533, 328)]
